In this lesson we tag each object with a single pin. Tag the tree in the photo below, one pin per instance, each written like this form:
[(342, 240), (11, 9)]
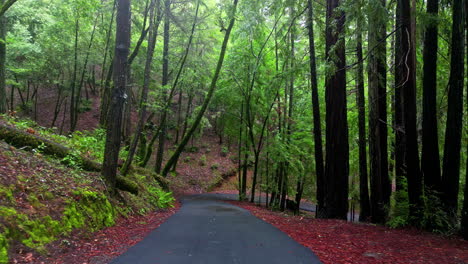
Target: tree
[(173, 159), (430, 161), (4, 6), (453, 130), (114, 129), (408, 103), (165, 81), (316, 109), (153, 31), (380, 182), (361, 103), (337, 148)]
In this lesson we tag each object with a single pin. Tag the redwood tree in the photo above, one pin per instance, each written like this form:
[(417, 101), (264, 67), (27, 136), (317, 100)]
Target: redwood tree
[(337, 148), (380, 182), (430, 160), (408, 103), (452, 147), (316, 110)]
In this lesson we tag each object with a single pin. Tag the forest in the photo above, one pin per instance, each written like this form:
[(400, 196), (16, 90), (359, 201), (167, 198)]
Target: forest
[(356, 106)]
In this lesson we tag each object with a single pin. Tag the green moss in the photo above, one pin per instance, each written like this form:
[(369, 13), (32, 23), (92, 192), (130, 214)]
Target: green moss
[(7, 193), (34, 201), (89, 209), (3, 249)]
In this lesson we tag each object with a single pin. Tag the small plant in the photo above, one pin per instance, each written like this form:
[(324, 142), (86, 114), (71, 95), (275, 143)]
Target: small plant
[(202, 161), (214, 166), (187, 159), (208, 150), (192, 149), (86, 105), (224, 151), (160, 198)]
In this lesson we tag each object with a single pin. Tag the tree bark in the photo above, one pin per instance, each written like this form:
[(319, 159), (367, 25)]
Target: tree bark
[(380, 182), (453, 131), (430, 160), (408, 99), (337, 148), (3, 96), (173, 159), (316, 111), (361, 102), (165, 81), (114, 129), (153, 28)]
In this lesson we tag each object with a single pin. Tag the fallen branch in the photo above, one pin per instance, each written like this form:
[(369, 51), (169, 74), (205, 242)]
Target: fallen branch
[(21, 139)]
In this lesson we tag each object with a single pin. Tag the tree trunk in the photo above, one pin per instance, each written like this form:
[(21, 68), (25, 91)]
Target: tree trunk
[(316, 112), (165, 81), (361, 103), (453, 132), (173, 159), (3, 96), (112, 147), (430, 160), (337, 148), (73, 106), (400, 139), (409, 114), (380, 182), (146, 83)]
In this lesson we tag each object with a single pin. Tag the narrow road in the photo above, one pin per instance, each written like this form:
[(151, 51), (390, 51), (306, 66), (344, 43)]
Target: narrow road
[(207, 230)]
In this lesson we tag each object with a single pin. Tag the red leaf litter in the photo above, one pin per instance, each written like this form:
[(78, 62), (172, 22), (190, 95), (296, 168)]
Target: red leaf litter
[(337, 241), (104, 245)]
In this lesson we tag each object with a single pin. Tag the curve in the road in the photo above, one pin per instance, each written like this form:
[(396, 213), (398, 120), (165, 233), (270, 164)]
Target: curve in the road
[(207, 230)]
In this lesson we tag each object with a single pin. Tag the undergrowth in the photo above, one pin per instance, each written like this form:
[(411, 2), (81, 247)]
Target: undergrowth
[(50, 201)]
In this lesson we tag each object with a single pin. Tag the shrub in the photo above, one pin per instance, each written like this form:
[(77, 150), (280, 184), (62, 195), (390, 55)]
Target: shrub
[(224, 151), (214, 166), (202, 161)]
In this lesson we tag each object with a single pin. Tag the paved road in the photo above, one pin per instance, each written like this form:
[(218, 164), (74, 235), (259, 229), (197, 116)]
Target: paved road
[(207, 230)]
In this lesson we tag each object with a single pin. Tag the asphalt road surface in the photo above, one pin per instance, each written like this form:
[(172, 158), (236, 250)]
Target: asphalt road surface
[(207, 230)]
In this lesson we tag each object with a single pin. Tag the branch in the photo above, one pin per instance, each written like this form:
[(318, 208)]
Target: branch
[(6, 6)]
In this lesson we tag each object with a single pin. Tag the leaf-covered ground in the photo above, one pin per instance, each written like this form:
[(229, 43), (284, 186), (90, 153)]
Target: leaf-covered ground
[(337, 241), (102, 246)]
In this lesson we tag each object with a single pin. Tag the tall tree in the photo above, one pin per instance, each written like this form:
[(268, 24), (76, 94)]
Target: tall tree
[(361, 103), (153, 31), (165, 81), (4, 6), (174, 158), (337, 148), (114, 128), (3, 102), (380, 182), (430, 160), (408, 99), (453, 131), (316, 109), (464, 219)]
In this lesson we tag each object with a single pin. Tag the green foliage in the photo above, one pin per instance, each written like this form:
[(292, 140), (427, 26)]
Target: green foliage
[(224, 151), (160, 198), (6, 194), (3, 249), (214, 166), (85, 106), (435, 219), (399, 216), (202, 160)]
